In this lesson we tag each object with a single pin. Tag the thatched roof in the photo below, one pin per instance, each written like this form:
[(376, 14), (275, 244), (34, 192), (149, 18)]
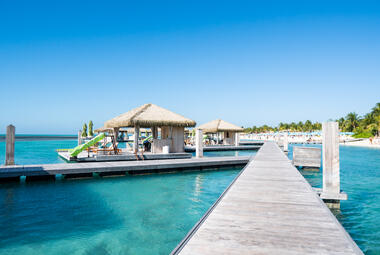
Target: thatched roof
[(149, 115), (103, 129), (219, 126), (132, 130)]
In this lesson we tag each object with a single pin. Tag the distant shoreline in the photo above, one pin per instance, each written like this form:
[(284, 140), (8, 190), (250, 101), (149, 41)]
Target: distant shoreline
[(40, 137), (364, 143)]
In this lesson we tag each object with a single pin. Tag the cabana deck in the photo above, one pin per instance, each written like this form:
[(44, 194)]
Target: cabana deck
[(124, 156), (224, 148)]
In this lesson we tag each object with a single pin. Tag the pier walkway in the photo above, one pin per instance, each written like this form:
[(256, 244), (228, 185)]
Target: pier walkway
[(133, 167), (269, 209)]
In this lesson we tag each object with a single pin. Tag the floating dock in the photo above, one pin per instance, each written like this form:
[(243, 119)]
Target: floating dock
[(258, 143), (268, 209), (118, 167), (83, 156), (224, 148)]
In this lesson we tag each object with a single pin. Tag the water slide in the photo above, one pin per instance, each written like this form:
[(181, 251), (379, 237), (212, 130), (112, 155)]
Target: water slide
[(148, 138), (74, 152)]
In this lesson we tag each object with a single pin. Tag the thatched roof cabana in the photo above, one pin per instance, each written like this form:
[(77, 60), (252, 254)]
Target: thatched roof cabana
[(149, 115), (219, 126)]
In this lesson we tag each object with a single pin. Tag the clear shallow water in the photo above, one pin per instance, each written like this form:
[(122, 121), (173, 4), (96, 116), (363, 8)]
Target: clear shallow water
[(37, 152), (360, 179), (127, 215)]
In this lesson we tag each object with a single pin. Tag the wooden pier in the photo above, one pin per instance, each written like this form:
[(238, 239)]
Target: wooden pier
[(268, 209), (118, 167)]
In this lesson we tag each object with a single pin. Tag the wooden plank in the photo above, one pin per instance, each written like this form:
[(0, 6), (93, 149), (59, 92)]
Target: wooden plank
[(306, 156), (268, 209)]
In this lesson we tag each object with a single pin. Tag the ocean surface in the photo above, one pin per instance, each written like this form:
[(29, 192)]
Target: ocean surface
[(150, 214), (37, 151), (147, 214)]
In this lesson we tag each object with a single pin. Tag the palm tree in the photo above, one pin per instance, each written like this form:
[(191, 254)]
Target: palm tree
[(352, 121), (317, 126), (307, 126), (368, 119), (293, 126), (376, 110), (300, 126), (341, 122)]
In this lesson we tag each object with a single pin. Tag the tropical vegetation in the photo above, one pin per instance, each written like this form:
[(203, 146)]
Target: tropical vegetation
[(90, 128), (307, 126), (84, 130), (362, 126)]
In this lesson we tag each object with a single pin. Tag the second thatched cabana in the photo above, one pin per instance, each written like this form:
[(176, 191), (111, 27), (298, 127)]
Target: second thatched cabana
[(152, 116), (229, 132)]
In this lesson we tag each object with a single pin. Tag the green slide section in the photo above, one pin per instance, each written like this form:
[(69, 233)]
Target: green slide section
[(149, 137), (74, 152)]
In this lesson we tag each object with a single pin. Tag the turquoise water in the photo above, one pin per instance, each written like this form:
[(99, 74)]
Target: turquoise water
[(360, 179), (127, 215), (37, 152), (103, 215)]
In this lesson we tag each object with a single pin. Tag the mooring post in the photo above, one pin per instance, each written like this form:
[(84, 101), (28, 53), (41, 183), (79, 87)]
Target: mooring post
[(136, 139), (331, 169), (286, 143), (198, 143), (79, 137), (237, 139), (330, 150), (10, 146)]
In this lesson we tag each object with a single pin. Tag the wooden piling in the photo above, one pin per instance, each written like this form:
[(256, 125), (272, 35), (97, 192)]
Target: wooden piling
[(331, 170), (286, 142), (10, 146), (198, 143), (79, 137), (330, 152), (237, 139), (136, 139)]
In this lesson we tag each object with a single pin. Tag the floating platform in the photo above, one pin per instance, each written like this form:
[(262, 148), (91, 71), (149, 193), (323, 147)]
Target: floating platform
[(224, 148), (119, 167), (258, 143), (268, 209), (83, 157)]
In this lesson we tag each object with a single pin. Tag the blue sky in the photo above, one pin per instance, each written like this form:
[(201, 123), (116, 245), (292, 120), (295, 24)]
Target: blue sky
[(248, 62)]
